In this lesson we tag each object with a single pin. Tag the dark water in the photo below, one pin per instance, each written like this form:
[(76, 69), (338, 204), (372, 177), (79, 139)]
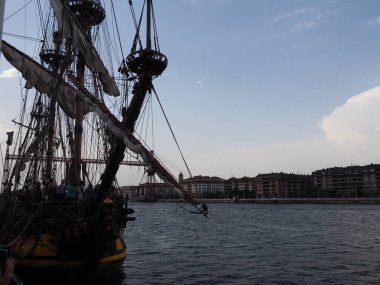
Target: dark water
[(254, 244)]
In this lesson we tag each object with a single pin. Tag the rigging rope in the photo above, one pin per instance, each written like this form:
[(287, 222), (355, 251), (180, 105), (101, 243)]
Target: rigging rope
[(22, 232), (171, 130), (118, 33), (22, 37), (137, 35), (156, 42), (151, 107), (18, 10)]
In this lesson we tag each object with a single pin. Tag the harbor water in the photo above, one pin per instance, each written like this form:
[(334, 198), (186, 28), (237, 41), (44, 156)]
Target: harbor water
[(253, 244)]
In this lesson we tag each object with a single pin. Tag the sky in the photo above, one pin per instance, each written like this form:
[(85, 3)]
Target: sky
[(256, 86)]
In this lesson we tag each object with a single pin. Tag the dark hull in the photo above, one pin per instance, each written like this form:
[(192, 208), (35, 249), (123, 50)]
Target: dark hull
[(39, 269), (105, 274)]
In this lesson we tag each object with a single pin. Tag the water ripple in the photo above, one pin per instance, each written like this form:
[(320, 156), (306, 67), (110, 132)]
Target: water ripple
[(254, 244)]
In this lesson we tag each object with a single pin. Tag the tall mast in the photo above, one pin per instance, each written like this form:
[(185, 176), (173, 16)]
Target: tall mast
[(145, 63), (2, 8), (79, 117), (6, 162), (54, 58), (148, 25), (89, 13)]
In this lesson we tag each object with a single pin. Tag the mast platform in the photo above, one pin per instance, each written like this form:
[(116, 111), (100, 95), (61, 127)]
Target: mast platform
[(147, 60)]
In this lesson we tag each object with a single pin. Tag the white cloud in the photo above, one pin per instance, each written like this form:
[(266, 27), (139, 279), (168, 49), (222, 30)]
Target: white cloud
[(10, 73), (375, 21), (305, 25), (199, 83), (355, 122), (351, 135), (293, 13)]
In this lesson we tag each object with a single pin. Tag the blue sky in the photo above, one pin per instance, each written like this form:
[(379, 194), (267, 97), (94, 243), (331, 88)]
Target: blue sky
[(255, 86)]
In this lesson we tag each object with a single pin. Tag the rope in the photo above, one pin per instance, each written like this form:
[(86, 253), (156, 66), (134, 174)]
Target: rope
[(171, 130), (18, 10), (118, 33), (179, 205), (137, 35), (191, 212), (22, 37), (68, 215), (22, 232), (16, 280), (156, 42)]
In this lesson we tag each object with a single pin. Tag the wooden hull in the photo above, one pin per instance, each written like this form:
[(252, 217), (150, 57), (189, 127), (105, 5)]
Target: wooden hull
[(42, 266)]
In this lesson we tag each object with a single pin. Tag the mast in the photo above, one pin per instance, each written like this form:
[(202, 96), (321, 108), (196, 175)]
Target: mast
[(89, 13), (2, 8), (54, 58), (79, 117), (6, 162), (148, 24), (145, 63)]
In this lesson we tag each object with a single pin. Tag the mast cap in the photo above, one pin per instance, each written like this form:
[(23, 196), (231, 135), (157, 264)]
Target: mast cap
[(147, 60)]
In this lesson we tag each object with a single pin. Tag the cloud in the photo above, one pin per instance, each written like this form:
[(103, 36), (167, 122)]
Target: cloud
[(351, 135), (375, 21), (293, 13), (305, 25), (10, 73), (199, 83), (355, 122)]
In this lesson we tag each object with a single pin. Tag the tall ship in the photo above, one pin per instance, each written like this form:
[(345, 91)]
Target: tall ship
[(61, 209)]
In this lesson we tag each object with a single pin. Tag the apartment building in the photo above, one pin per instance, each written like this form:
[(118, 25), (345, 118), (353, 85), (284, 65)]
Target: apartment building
[(283, 185), (204, 186), (240, 187), (351, 180)]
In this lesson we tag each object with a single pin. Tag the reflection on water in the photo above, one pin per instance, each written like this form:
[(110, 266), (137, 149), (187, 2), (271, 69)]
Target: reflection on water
[(253, 244)]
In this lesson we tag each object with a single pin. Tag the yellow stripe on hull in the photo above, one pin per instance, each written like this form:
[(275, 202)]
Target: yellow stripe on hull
[(44, 253), (40, 263), (113, 258)]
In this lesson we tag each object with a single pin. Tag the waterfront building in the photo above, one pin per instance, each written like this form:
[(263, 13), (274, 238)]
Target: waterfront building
[(283, 185), (239, 187), (246, 187), (350, 181), (131, 191), (231, 188), (204, 186), (151, 191)]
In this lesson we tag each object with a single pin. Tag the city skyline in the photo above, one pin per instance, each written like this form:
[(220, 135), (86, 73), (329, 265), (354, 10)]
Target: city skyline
[(257, 86)]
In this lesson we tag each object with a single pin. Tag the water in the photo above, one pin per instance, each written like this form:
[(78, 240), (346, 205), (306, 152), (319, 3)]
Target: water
[(254, 244)]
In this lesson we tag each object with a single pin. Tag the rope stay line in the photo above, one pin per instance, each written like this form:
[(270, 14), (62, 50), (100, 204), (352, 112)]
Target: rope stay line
[(171, 130), (14, 13), (137, 26), (22, 37)]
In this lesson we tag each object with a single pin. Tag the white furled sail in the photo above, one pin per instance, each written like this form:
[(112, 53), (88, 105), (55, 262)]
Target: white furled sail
[(80, 44), (42, 79)]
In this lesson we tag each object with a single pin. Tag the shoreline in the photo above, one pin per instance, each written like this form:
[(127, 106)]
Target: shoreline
[(358, 201)]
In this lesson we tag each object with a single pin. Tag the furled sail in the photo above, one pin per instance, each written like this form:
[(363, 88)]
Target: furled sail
[(132, 143), (42, 79), (72, 31)]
